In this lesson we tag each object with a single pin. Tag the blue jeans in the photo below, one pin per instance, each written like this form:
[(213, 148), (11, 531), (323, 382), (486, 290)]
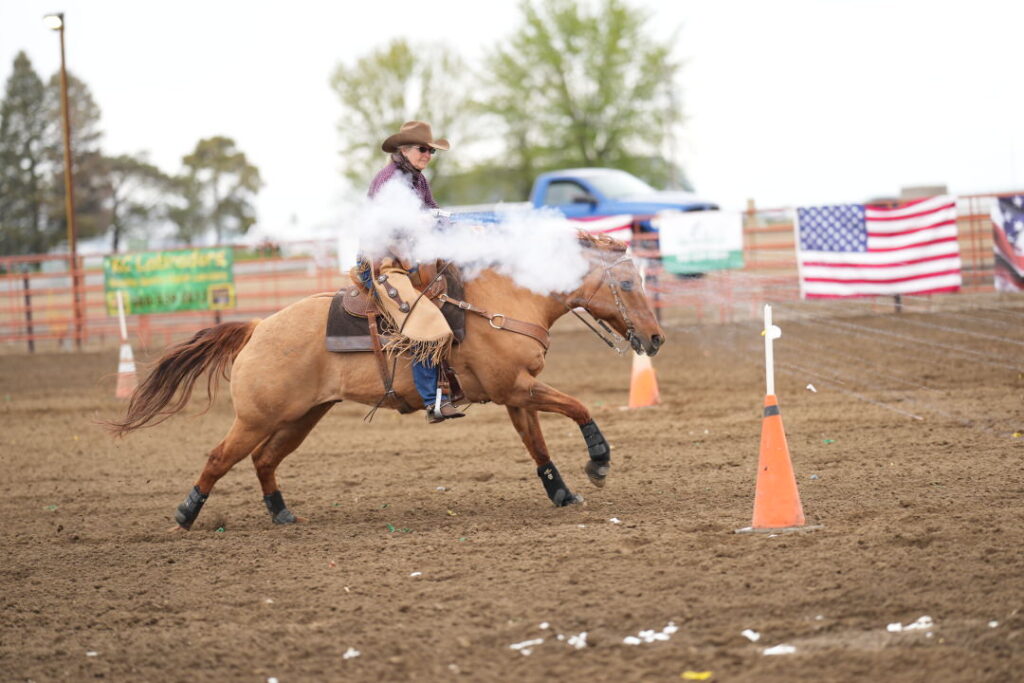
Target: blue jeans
[(424, 373)]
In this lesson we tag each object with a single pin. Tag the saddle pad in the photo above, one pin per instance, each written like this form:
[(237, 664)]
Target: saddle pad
[(347, 333)]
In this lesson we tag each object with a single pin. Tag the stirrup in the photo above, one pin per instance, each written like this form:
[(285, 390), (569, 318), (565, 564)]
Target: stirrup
[(446, 412)]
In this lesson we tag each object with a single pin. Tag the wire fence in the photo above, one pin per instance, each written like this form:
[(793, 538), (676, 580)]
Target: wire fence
[(39, 309)]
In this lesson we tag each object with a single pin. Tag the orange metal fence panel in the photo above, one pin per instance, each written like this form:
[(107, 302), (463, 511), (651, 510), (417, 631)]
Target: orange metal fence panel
[(37, 297)]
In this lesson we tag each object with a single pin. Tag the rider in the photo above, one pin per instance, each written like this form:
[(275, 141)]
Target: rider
[(411, 150)]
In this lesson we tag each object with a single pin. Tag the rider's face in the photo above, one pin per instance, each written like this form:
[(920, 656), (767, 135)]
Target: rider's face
[(419, 159)]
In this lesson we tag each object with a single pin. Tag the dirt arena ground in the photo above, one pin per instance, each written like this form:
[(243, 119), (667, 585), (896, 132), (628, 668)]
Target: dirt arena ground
[(432, 550)]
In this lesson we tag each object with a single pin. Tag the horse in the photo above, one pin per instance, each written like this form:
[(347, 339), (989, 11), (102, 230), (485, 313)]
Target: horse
[(283, 380)]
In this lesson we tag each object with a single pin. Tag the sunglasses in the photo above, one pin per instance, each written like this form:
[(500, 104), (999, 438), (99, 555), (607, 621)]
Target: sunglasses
[(423, 149)]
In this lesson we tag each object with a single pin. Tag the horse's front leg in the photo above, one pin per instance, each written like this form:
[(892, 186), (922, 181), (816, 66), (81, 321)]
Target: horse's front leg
[(527, 424), (550, 400), (544, 398)]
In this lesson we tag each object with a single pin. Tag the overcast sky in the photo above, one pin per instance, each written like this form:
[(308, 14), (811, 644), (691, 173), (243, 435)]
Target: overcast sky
[(788, 102)]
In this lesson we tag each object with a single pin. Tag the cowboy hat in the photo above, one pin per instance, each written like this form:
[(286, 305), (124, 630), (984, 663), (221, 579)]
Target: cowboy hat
[(413, 133)]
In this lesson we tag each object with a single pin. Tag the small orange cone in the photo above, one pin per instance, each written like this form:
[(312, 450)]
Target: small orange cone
[(126, 380), (776, 498), (643, 385)]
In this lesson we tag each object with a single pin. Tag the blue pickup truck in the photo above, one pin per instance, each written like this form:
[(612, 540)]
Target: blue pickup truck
[(687, 235), (583, 193), (617, 202)]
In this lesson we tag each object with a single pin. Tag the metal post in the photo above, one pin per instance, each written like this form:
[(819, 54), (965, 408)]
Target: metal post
[(69, 190), (28, 312)]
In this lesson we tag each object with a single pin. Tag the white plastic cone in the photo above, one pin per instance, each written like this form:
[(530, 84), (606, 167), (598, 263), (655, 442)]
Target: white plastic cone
[(126, 380)]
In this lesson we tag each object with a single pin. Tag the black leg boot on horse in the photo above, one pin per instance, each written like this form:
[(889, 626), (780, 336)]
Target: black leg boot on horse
[(600, 454)]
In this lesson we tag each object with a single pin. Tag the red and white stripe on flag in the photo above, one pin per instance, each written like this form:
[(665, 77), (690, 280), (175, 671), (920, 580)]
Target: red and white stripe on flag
[(909, 249)]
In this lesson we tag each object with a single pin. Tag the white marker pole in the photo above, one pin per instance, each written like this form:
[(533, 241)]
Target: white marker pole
[(120, 316), (770, 333)]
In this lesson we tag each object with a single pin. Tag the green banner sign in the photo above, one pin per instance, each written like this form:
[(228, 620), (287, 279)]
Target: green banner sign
[(164, 281)]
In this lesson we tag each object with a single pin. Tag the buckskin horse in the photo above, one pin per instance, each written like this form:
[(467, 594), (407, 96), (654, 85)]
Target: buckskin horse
[(283, 380)]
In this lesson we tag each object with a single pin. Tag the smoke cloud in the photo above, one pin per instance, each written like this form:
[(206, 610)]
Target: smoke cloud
[(537, 249)]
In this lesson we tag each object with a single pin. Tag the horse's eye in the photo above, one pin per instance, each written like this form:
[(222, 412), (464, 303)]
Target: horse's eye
[(627, 285)]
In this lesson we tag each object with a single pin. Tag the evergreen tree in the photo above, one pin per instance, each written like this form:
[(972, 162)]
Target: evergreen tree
[(23, 162), (91, 180)]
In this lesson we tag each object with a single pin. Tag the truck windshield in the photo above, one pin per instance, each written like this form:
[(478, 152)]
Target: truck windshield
[(621, 184)]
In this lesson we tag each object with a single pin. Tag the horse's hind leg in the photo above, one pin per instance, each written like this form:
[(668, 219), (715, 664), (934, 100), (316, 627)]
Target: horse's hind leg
[(527, 424), (242, 438), (269, 455)]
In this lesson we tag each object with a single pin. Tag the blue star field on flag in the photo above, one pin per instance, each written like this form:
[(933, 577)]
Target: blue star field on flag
[(838, 228), (1012, 210)]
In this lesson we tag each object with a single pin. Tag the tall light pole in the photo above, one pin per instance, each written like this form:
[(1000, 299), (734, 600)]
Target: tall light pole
[(56, 22)]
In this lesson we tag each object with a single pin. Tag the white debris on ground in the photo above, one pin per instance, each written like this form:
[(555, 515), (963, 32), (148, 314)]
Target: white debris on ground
[(526, 647), (92, 653), (650, 635), (271, 680), (751, 635), (779, 650), (993, 624), (923, 623), (351, 653), (578, 641), (810, 387), (543, 625), (414, 574), (615, 520)]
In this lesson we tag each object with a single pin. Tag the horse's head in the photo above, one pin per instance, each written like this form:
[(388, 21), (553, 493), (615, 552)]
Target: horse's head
[(613, 291)]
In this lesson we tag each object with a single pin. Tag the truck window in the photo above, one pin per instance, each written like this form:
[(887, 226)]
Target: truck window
[(563, 192), (616, 185)]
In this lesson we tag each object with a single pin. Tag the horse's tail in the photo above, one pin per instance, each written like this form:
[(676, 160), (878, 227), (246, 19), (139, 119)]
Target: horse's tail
[(213, 349)]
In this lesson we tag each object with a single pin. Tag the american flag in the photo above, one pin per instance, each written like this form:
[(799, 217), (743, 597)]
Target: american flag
[(857, 250), (1008, 243)]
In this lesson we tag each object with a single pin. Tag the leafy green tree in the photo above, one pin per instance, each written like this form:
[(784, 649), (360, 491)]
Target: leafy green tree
[(186, 211), (137, 197), (392, 85), (216, 189), (580, 87), (23, 163)]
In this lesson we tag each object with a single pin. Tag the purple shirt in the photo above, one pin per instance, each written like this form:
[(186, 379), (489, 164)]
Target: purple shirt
[(417, 181)]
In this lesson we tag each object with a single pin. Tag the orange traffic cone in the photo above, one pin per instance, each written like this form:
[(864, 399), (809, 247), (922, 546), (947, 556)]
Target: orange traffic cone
[(643, 385), (126, 380), (776, 499)]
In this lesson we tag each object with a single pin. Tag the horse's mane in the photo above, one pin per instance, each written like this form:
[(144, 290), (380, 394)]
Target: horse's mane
[(603, 242)]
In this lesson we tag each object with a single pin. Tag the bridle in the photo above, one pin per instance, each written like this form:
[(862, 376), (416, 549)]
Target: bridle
[(613, 286)]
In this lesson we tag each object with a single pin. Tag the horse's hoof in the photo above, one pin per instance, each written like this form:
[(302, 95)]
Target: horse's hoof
[(564, 497), (597, 472), (285, 516)]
